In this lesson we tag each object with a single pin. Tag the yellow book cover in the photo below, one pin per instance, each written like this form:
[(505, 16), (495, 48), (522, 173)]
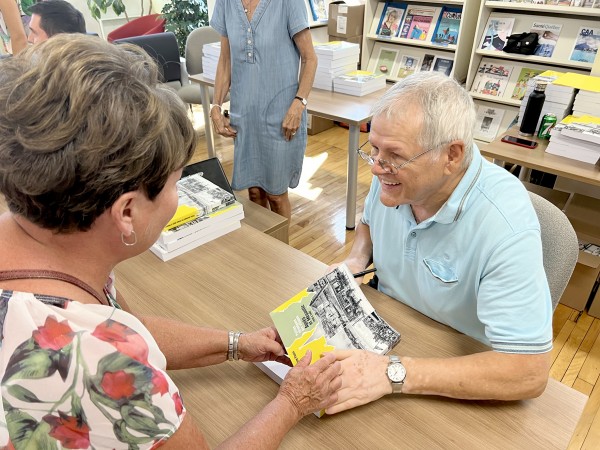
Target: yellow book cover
[(184, 214), (579, 81)]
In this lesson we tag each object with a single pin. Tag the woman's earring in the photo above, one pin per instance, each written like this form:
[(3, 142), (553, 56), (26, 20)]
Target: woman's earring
[(129, 244)]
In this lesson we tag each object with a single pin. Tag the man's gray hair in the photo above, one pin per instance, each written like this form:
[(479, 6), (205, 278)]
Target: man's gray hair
[(447, 109)]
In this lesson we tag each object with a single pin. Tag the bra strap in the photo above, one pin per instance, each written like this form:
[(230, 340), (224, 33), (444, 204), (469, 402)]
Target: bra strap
[(51, 275)]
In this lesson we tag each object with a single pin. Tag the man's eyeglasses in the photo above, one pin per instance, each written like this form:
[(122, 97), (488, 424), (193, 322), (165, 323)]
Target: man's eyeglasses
[(388, 166)]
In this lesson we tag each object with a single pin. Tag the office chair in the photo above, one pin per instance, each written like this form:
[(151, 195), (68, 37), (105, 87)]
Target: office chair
[(150, 24), (163, 48), (559, 245), (190, 93)]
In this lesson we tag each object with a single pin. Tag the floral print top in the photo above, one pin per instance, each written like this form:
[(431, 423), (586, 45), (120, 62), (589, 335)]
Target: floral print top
[(81, 376)]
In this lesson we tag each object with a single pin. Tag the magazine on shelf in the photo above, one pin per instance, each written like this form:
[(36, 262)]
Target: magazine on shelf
[(448, 26), (491, 79), (408, 65), (586, 45), (383, 62), (319, 9), (417, 22), (487, 123), (525, 75), (443, 65), (548, 34), (496, 32), (391, 18), (427, 63)]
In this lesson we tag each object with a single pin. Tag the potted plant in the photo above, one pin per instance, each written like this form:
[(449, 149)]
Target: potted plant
[(184, 16)]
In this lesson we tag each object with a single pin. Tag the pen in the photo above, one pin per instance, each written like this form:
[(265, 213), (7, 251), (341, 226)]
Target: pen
[(364, 272)]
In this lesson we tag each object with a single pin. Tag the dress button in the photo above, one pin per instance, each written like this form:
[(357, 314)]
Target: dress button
[(249, 30), (413, 234), (249, 41), (249, 54)]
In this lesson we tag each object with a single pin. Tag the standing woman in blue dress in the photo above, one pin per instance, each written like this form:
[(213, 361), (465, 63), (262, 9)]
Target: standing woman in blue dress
[(263, 45)]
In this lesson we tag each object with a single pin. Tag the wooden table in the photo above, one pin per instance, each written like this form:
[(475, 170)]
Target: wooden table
[(538, 159), (331, 105), (235, 281)]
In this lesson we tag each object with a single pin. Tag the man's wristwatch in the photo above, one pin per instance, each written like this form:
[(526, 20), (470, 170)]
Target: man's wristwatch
[(302, 100), (396, 373)]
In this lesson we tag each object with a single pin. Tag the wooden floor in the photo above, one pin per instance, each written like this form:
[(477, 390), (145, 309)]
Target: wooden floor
[(318, 229)]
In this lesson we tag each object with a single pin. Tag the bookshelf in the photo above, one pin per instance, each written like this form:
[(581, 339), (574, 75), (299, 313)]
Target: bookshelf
[(401, 48), (570, 18)]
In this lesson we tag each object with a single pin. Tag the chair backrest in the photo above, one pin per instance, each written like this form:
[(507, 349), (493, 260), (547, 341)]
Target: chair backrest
[(559, 245), (193, 47), (150, 24), (165, 51)]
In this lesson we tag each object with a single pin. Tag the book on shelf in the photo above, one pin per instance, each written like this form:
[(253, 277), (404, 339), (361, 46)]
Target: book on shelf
[(548, 34), (417, 22), (448, 26), (488, 122), (491, 79), (586, 45), (407, 66), (383, 61), (525, 75), (390, 20), (332, 313), (427, 63), (319, 9), (496, 32), (442, 64)]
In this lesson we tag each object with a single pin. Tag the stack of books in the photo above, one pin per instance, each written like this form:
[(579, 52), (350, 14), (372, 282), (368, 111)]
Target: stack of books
[(210, 59), (587, 103), (576, 138), (559, 98), (358, 82), (335, 58), (205, 212)]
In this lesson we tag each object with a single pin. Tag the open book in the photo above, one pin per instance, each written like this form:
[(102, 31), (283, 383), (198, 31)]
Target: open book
[(333, 313)]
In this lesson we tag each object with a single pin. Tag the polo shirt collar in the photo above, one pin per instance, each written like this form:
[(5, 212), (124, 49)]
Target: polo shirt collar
[(455, 205)]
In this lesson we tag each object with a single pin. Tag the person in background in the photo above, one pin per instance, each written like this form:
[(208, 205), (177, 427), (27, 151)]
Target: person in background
[(262, 46), (89, 161), (12, 32), (456, 238), (51, 17)]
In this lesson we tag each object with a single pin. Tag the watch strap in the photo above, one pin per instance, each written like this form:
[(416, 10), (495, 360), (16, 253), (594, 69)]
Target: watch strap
[(302, 100)]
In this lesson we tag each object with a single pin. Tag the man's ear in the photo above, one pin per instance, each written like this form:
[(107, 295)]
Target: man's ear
[(121, 212), (456, 155)]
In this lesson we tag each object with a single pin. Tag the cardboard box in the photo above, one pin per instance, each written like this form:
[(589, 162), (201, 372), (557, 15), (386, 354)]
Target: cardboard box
[(584, 214), (345, 20), (353, 39), (317, 124)]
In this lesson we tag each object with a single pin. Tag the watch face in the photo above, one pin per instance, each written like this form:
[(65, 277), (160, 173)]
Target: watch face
[(396, 372)]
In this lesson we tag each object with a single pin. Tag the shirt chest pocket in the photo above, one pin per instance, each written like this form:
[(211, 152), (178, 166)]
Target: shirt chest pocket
[(444, 272)]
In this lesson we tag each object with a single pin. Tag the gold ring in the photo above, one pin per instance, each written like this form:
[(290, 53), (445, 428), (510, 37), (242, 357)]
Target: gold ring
[(293, 133)]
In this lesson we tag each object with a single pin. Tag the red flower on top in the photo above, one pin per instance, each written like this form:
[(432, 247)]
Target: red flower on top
[(125, 340), (178, 403), (53, 334), (159, 382), (118, 385), (71, 431)]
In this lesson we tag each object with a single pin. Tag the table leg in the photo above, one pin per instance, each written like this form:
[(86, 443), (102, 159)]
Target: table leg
[(210, 141), (352, 180)]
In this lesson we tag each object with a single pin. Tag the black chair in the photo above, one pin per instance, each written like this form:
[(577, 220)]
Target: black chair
[(165, 51)]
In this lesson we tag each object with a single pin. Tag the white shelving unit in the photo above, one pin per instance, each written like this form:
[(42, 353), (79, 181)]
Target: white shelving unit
[(525, 14), (460, 52)]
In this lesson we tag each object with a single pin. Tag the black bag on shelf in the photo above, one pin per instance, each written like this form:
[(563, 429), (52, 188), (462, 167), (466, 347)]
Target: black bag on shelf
[(523, 43)]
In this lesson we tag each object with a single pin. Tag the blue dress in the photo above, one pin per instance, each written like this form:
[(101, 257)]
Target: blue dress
[(264, 81)]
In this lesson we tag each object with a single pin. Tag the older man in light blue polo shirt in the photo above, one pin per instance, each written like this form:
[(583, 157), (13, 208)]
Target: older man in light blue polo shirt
[(456, 238)]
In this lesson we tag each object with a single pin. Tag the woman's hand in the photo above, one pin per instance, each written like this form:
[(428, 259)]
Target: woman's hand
[(262, 345), (221, 123), (364, 379), (291, 121), (310, 388)]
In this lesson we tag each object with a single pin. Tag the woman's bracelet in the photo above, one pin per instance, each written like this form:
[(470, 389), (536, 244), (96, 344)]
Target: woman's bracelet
[(232, 347)]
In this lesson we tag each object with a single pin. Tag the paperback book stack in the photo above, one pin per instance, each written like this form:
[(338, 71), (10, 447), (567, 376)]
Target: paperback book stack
[(210, 59), (587, 103), (576, 138), (205, 212), (559, 98), (335, 58), (358, 83)]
